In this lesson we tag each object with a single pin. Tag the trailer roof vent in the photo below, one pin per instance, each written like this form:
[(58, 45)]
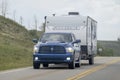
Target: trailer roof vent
[(73, 13)]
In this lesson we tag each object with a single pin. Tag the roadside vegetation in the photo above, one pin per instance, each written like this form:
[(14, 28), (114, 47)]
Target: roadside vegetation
[(14, 53), (109, 48), (15, 44)]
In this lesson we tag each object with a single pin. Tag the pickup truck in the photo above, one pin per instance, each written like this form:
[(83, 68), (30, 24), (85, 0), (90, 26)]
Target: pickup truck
[(57, 48)]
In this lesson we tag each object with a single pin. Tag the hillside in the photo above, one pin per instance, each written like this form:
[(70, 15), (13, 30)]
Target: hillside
[(15, 45), (110, 48), (13, 29)]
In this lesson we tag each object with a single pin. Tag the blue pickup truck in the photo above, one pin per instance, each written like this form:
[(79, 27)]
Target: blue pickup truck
[(67, 39), (57, 48)]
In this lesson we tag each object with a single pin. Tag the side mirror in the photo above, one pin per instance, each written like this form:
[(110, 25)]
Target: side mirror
[(77, 41), (35, 40)]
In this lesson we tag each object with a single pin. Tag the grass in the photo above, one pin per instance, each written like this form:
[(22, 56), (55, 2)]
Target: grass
[(110, 48), (15, 53), (13, 29), (15, 45)]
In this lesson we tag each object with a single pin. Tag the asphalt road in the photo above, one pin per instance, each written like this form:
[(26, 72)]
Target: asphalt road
[(105, 68)]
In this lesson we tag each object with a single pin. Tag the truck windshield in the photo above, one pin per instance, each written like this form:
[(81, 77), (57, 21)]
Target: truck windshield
[(56, 37)]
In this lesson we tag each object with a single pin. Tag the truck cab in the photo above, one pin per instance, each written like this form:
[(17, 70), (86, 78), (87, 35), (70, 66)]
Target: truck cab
[(56, 48)]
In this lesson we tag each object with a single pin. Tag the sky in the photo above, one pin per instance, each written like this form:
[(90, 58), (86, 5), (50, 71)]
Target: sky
[(105, 12)]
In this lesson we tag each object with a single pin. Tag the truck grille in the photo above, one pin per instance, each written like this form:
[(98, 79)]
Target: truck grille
[(52, 50)]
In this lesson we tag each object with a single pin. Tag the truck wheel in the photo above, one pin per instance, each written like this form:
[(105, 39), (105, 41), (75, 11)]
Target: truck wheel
[(72, 65), (78, 64), (36, 65), (45, 65), (91, 60)]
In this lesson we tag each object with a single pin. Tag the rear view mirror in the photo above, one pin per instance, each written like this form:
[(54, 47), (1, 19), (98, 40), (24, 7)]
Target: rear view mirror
[(77, 41), (35, 40)]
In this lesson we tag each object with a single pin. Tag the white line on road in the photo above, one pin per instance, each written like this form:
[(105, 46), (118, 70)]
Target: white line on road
[(14, 70)]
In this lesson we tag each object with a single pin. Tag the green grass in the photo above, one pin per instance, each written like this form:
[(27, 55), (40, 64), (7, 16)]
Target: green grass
[(15, 45), (14, 57), (13, 29), (15, 53), (110, 48)]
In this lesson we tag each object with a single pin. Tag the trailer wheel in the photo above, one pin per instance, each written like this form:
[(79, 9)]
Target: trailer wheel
[(91, 60), (45, 65), (36, 65)]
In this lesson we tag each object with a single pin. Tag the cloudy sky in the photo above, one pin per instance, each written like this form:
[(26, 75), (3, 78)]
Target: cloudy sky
[(105, 12)]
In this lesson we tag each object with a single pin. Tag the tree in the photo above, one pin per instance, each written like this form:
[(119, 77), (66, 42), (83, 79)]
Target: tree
[(43, 27), (4, 7), (36, 22), (21, 20), (119, 39), (14, 15)]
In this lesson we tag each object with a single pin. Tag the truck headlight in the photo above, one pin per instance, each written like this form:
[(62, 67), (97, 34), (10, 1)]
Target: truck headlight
[(69, 49), (36, 49)]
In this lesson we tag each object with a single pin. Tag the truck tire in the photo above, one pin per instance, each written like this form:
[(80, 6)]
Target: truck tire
[(36, 65), (78, 64), (45, 65), (91, 60), (72, 64)]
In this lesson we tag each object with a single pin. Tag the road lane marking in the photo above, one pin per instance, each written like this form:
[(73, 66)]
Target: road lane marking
[(91, 70), (14, 70)]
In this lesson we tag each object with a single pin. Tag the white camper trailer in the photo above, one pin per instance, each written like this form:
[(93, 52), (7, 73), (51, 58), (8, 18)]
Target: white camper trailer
[(83, 27)]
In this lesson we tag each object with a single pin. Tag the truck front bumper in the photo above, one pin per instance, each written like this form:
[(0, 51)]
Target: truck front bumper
[(53, 58)]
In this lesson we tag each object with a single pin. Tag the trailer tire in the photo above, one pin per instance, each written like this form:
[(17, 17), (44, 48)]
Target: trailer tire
[(91, 60)]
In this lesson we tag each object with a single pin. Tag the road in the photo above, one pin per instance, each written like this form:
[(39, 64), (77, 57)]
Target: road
[(105, 68)]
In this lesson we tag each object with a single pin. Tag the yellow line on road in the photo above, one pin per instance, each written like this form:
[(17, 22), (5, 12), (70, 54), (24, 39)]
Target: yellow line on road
[(94, 69)]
